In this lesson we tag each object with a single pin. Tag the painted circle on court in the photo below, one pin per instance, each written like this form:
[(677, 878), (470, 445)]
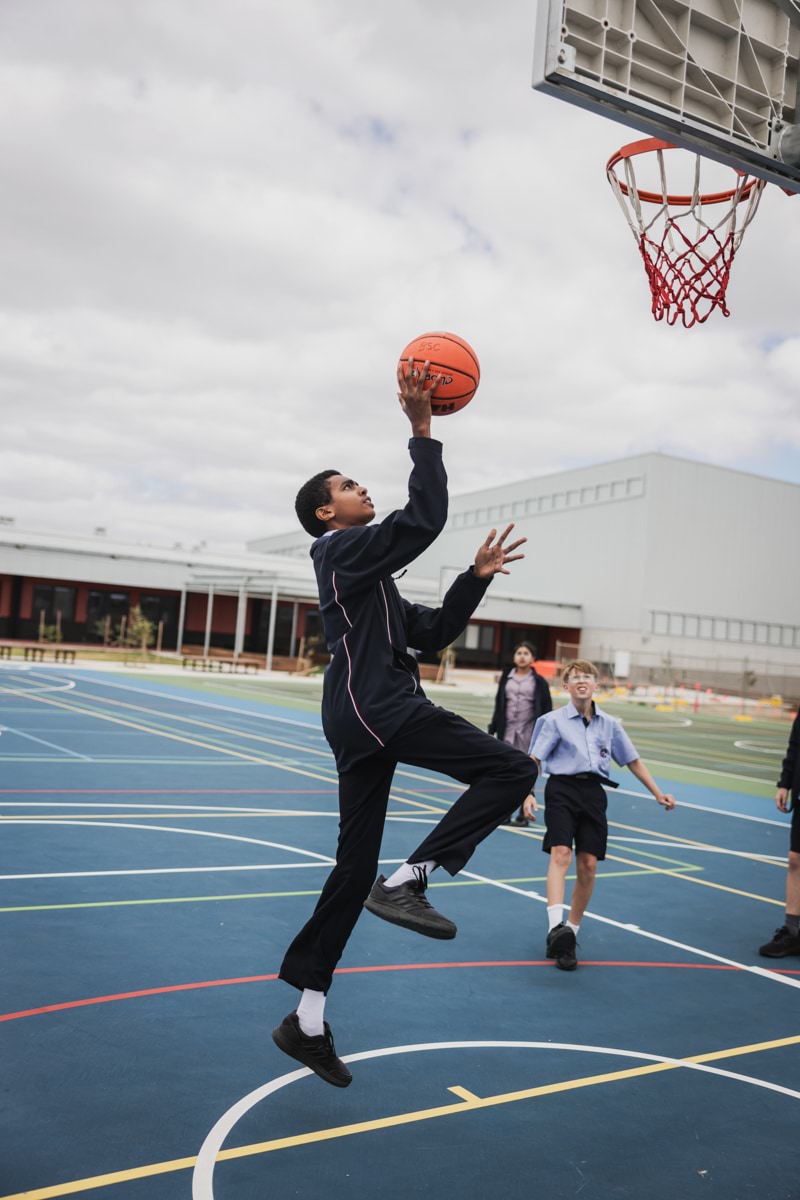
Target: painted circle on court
[(203, 1174)]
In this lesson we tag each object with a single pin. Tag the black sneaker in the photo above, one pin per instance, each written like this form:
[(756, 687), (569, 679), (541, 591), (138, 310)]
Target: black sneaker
[(561, 945), (318, 1053), (407, 905), (783, 943)]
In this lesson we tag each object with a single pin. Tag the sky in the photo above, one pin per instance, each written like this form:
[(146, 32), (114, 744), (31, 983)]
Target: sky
[(221, 222)]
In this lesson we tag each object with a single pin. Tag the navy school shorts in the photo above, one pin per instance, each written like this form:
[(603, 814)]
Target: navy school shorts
[(575, 814)]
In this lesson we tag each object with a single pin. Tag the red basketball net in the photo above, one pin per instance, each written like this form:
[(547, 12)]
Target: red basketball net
[(688, 243)]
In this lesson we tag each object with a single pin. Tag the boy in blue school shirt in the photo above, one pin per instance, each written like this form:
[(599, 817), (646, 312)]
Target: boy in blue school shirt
[(576, 744)]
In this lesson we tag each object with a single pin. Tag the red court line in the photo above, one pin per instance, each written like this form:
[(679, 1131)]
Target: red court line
[(210, 983)]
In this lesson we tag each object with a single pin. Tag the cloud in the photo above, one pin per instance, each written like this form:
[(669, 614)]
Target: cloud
[(220, 226)]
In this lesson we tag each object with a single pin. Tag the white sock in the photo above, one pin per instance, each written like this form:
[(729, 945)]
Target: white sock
[(310, 1013), (405, 873), (555, 913), (573, 927)]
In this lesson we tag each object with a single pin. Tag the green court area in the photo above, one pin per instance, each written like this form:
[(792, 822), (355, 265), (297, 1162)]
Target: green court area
[(711, 748)]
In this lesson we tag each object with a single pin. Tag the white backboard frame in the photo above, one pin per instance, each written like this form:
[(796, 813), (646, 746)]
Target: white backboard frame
[(719, 77)]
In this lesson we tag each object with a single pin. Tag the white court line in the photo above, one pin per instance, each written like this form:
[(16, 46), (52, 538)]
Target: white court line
[(655, 937), (203, 1174), (168, 697), (751, 749), (226, 837), (43, 742)]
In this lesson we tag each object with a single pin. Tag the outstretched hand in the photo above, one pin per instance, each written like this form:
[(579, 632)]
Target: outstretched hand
[(493, 556)]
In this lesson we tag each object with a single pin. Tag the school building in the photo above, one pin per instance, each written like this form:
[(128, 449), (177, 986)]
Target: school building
[(659, 568)]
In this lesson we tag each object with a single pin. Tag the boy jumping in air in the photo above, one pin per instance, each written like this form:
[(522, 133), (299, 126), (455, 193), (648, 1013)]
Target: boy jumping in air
[(576, 744), (375, 714)]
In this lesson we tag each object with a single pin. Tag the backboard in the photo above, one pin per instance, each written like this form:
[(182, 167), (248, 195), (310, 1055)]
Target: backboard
[(719, 77)]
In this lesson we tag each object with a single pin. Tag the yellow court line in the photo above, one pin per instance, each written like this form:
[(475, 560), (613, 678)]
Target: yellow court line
[(470, 1103), (673, 837), (721, 887), (157, 731)]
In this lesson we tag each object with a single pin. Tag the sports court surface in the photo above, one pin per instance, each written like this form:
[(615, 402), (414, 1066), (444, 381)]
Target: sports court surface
[(163, 839)]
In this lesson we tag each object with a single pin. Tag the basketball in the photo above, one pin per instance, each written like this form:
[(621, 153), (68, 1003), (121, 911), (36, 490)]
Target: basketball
[(454, 361)]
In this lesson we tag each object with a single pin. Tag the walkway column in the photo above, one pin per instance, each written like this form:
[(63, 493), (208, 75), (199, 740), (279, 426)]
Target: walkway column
[(209, 612), (293, 635), (273, 612), (241, 618), (181, 620)]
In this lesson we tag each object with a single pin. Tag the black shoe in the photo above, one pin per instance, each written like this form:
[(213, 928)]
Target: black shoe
[(407, 905), (783, 943), (561, 946), (318, 1053), (518, 820)]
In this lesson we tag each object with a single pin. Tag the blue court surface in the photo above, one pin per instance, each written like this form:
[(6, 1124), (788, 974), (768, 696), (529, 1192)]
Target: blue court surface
[(163, 840)]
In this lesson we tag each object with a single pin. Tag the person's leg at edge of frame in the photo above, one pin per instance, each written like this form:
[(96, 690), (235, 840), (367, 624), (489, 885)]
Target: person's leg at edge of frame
[(310, 961), (786, 939)]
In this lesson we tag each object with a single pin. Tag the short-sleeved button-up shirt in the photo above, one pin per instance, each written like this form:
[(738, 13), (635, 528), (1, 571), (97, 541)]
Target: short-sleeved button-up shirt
[(565, 746)]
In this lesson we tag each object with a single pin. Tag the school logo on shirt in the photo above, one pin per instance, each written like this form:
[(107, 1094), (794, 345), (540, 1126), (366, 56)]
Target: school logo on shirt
[(603, 751)]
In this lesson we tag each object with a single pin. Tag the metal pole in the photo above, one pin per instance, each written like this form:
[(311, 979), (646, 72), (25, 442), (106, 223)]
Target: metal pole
[(273, 612), (209, 612), (293, 636), (181, 620), (241, 613)]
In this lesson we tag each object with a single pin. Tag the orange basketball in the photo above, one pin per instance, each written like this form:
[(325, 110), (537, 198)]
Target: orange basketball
[(454, 361)]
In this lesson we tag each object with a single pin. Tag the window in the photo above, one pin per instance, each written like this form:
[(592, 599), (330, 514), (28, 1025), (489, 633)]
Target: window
[(774, 635), (706, 627), (494, 512), (691, 626), (603, 491), (480, 516), (518, 509), (532, 505), (545, 503), (787, 638), (505, 512), (761, 635), (660, 622), (587, 495), (676, 624), (748, 631), (573, 499), (635, 486), (734, 631), (53, 600), (720, 629), (617, 490)]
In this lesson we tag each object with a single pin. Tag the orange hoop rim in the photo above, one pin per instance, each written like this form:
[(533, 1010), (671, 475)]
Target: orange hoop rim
[(650, 146)]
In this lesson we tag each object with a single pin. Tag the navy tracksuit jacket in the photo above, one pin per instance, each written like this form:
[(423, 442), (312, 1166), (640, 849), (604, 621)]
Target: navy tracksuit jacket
[(372, 684)]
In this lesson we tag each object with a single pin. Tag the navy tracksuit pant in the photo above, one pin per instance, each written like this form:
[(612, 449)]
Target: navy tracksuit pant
[(499, 779)]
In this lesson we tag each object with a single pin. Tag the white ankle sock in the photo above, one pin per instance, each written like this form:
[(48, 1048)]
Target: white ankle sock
[(555, 914), (311, 1012), (405, 873), (574, 928)]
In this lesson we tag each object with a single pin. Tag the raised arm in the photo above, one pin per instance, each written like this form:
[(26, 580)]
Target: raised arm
[(435, 628), (360, 556)]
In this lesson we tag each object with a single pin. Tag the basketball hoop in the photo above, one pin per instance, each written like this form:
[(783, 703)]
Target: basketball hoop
[(688, 253)]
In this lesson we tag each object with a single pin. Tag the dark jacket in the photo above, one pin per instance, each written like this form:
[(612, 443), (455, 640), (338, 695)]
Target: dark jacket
[(790, 770), (372, 683), (542, 701)]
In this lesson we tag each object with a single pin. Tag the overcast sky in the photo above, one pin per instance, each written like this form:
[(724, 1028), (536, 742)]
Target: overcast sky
[(221, 220)]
